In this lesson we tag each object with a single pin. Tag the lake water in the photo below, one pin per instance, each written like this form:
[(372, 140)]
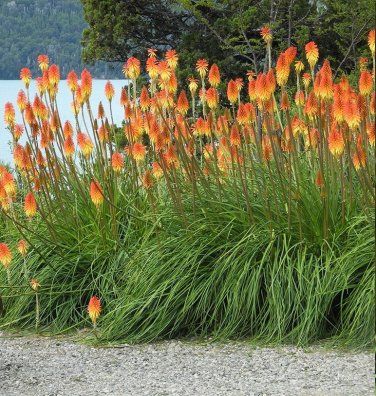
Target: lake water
[(10, 88)]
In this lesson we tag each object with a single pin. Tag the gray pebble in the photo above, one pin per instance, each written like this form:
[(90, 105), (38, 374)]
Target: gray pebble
[(36, 366)]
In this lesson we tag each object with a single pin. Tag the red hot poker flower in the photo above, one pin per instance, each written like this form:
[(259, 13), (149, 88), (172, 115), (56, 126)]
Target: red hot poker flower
[(5, 255), (43, 62), (22, 247), (30, 205), (94, 309), (214, 76), (96, 193), (109, 90), (25, 76), (312, 53)]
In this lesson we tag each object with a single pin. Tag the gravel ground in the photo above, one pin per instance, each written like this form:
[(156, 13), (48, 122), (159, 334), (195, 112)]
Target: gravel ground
[(51, 366)]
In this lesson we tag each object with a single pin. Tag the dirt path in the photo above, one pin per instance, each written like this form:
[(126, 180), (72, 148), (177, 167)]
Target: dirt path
[(46, 366)]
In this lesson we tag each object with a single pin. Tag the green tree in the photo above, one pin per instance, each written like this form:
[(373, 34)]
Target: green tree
[(225, 31), (31, 27)]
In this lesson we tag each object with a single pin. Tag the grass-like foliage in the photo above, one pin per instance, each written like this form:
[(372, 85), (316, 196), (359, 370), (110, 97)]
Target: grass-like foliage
[(195, 218)]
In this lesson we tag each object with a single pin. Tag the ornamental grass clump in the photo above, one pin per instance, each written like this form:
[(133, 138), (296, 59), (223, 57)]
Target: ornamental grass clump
[(239, 209)]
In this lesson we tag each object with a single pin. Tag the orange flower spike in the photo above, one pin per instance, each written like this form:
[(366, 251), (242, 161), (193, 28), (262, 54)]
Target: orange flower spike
[(5, 255), (371, 41), (199, 128), (123, 97), (132, 68), (306, 80), (9, 114), (365, 83), (30, 205), (212, 98), (43, 62), (54, 122), (138, 151), (29, 115), (152, 68), (164, 71), (109, 91), (171, 157), (18, 154), (312, 53), (53, 75), (172, 84), (262, 88), (94, 309), (325, 85), (214, 76), (266, 34), (96, 193), (193, 85), (8, 183), (172, 58), (21, 100), (117, 162), (102, 134), (299, 67), (86, 85), (157, 170), (335, 141), (235, 138), (239, 83), (252, 90), (101, 113), (232, 91), (22, 247), (270, 82), (182, 104), (69, 146), (282, 69), (18, 131), (42, 83), (299, 98), (72, 81), (144, 99), (311, 106), (202, 66), (39, 108), (290, 54), (85, 144), (351, 113), (67, 129), (25, 76)]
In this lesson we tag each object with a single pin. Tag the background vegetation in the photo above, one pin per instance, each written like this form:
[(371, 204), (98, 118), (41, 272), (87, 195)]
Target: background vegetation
[(225, 32), (32, 27)]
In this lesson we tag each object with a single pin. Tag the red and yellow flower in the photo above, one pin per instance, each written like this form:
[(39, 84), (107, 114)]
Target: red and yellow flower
[(5, 255), (30, 205), (96, 193), (94, 309)]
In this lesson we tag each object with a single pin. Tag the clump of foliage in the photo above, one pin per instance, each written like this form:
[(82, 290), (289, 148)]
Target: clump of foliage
[(214, 215), (31, 27)]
